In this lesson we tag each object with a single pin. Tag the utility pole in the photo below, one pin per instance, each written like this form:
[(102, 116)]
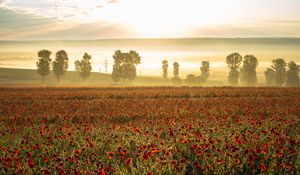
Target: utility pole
[(105, 64)]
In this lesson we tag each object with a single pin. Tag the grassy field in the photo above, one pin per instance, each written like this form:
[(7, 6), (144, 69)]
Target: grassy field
[(149, 130), (12, 76), (30, 77)]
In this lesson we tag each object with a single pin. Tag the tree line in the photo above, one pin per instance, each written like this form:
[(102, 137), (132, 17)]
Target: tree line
[(242, 70), (61, 64), (191, 79)]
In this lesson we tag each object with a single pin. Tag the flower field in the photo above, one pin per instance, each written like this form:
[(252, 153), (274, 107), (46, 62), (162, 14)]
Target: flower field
[(149, 130)]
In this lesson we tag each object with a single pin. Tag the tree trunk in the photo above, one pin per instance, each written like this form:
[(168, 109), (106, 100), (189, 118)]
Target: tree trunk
[(43, 79)]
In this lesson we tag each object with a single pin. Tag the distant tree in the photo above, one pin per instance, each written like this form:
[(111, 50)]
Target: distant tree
[(44, 63), (125, 65), (293, 74), (248, 70), (234, 62), (84, 66), (175, 69), (204, 71), (176, 79), (279, 66), (165, 66), (60, 65), (270, 76), (191, 79)]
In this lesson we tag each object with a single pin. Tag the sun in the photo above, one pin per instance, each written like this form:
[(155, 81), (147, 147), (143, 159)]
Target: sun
[(163, 18)]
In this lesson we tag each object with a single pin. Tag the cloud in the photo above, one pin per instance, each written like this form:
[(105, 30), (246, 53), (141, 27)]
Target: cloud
[(14, 24), (280, 28), (99, 30)]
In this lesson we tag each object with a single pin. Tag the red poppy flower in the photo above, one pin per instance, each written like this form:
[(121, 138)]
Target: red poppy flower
[(263, 168), (219, 162), (110, 155)]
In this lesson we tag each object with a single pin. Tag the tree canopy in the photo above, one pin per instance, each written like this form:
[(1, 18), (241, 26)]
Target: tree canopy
[(234, 62), (84, 66), (248, 70), (125, 65), (44, 62), (293, 74), (165, 66), (60, 65), (279, 67), (270, 74)]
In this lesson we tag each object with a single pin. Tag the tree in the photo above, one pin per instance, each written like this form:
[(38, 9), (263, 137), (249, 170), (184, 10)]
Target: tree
[(191, 79), (60, 65), (270, 76), (279, 66), (165, 66), (176, 79), (234, 62), (84, 66), (248, 70), (125, 65), (43, 64), (204, 71), (293, 74)]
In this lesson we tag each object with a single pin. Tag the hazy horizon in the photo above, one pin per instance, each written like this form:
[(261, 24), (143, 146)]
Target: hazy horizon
[(188, 52)]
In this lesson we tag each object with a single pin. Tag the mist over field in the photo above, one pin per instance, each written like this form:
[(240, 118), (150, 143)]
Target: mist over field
[(189, 53)]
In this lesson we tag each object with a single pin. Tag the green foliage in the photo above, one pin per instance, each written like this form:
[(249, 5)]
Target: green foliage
[(279, 66), (167, 131), (293, 74), (165, 66), (175, 69), (270, 76), (234, 62), (60, 65), (176, 80), (204, 71), (84, 66), (248, 70), (191, 79), (125, 65), (43, 64)]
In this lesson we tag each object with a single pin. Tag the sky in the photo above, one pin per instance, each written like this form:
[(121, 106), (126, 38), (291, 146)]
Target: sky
[(99, 19)]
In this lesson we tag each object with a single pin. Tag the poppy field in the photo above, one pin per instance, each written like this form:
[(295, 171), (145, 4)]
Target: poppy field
[(149, 130)]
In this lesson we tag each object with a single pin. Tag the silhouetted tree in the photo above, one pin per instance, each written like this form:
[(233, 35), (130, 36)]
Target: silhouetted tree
[(204, 71), (165, 66), (279, 67), (293, 74), (234, 62), (248, 70), (124, 65), (191, 79), (43, 64), (175, 69), (270, 76), (60, 65), (84, 66), (176, 79)]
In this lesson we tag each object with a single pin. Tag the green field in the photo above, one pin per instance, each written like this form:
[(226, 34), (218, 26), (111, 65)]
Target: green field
[(9, 76)]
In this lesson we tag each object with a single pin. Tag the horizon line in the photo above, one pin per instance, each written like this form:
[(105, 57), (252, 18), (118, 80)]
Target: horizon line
[(149, 38)]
